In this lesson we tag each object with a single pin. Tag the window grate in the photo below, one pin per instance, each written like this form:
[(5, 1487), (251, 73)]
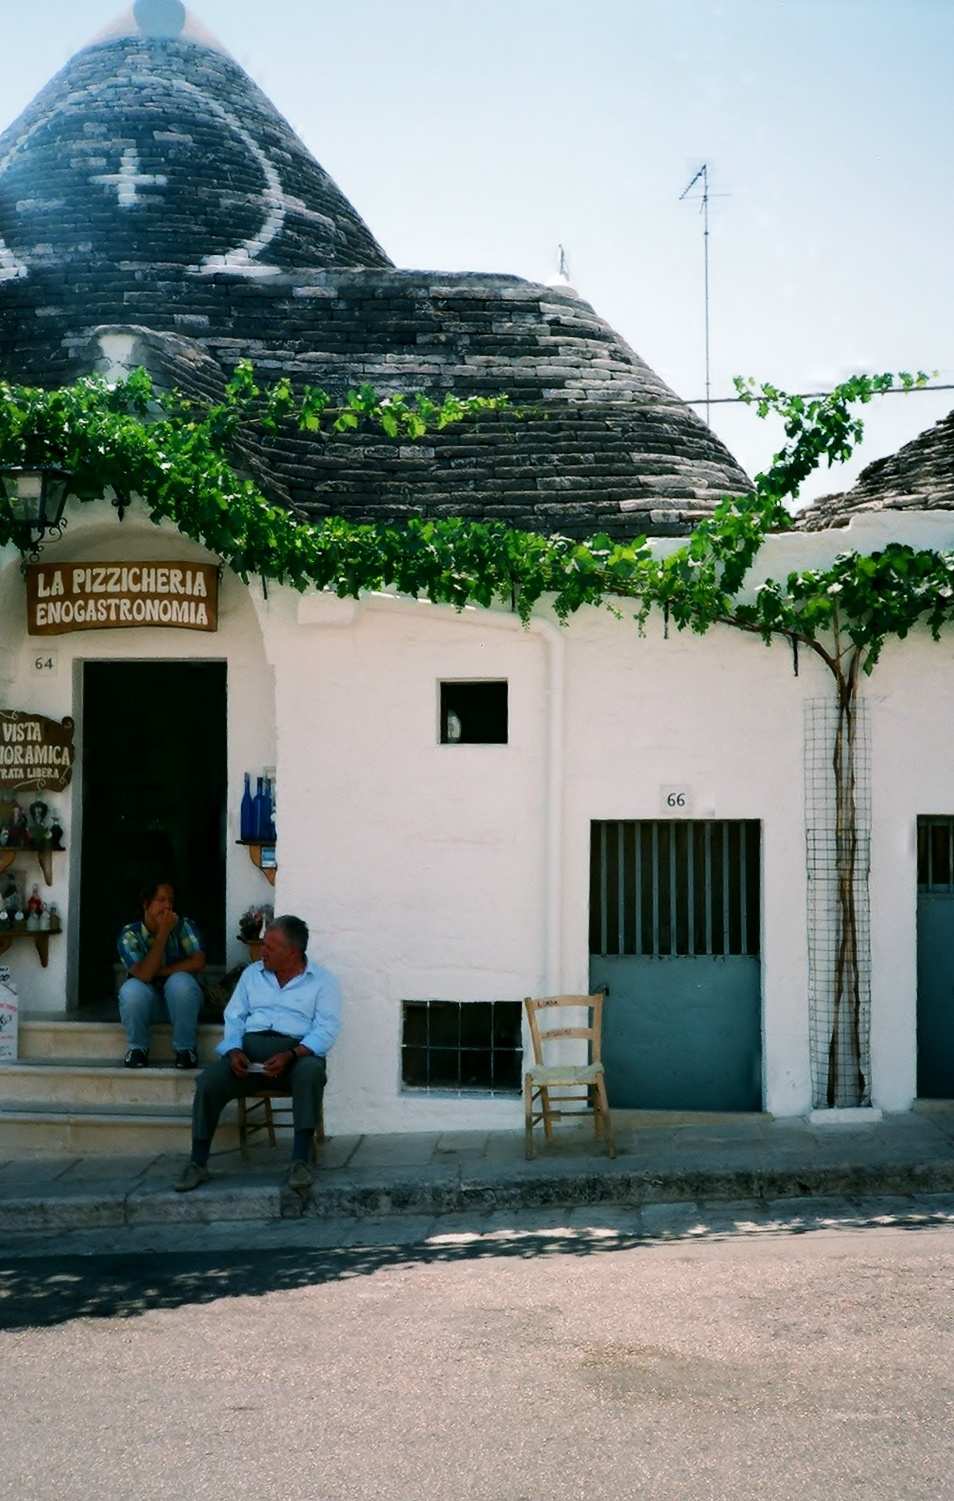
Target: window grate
[(462, 1047), (936, 854), (669, 887)]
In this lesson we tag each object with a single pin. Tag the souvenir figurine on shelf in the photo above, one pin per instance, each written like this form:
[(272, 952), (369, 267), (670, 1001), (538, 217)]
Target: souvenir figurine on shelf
[(34, 905), (56, 832), (45, 923), (39, 834), (4, 837), (18, 826), (54, 917)]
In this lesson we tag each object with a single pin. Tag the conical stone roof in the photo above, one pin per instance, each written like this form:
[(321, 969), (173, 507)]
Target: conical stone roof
[(152, 188), (158, 150), (919, 477)]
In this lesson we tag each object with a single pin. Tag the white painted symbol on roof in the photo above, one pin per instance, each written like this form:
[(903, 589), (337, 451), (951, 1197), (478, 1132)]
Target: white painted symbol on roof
[(129, 178)]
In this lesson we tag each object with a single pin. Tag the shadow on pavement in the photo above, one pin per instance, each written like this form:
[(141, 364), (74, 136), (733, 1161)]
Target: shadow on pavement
[(43, 1291)]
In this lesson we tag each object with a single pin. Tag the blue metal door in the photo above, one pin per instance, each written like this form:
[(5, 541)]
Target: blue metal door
[(935, 1020), (674, 935)]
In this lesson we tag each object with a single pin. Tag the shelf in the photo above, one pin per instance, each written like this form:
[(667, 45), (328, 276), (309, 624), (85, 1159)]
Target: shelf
[(255, 848), (41, 941), (44, 859)]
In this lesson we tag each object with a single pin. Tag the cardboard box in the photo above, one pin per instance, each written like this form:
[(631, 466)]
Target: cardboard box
[(9, 1017)]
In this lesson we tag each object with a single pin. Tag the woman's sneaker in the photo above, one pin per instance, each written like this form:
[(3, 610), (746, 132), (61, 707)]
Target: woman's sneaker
[(136, 1058), (186, 1058)]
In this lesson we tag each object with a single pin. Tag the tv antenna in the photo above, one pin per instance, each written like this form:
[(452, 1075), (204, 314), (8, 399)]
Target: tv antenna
[(702, 177)]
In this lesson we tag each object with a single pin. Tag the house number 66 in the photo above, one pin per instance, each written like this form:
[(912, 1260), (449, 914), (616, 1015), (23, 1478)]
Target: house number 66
[(676, 800)]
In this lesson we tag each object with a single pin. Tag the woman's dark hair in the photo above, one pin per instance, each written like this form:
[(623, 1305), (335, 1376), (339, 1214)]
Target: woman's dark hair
[(148, 890)]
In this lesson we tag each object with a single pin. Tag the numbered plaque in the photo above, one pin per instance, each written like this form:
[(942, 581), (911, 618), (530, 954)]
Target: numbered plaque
[(676, 801)]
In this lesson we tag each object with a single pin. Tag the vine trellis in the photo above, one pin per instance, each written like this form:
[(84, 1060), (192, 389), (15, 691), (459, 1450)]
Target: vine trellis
[(183, 461)]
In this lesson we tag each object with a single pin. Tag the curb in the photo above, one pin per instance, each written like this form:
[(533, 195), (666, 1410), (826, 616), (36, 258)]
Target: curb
[(435, 1197)]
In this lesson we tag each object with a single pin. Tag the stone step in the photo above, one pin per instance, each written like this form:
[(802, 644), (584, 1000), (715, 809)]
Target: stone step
[(100, 1042), (79, 1082), (37, 1128)]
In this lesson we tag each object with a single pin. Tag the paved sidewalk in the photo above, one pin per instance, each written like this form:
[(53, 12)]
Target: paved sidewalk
[(662, 1159)]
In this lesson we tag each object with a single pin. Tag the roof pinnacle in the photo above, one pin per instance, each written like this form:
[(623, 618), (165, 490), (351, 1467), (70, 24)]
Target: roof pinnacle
[(160, 18)]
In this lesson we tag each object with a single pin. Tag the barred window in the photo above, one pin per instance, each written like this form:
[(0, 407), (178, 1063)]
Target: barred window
[(462, 1046)]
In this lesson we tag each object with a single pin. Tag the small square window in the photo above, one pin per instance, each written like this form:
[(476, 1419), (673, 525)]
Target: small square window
[(474, 713), (462, 1046)]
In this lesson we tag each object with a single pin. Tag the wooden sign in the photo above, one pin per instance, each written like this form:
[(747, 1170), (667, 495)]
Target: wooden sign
[(121, 596), (35, 752)]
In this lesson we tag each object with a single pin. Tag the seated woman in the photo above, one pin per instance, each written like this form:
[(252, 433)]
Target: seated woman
[(163, 954)]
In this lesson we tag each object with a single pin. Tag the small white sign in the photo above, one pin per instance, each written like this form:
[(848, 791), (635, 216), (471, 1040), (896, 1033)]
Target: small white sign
[(677, 802), (46, 663)]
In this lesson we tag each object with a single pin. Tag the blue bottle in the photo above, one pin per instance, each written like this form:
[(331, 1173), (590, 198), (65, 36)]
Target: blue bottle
[(247, 815), (259, 812), (268, 828)]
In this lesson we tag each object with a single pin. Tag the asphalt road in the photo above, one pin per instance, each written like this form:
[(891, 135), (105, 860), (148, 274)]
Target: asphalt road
[(501, 1367)]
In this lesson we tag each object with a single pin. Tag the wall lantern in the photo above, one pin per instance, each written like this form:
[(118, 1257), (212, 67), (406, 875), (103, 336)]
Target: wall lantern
[(36, 498)]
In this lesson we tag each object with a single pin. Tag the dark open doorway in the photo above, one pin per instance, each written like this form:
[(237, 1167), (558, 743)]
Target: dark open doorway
[(154, 803)]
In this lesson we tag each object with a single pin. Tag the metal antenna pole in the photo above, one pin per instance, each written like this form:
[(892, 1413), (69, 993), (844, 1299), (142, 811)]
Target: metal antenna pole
[(703, 173)]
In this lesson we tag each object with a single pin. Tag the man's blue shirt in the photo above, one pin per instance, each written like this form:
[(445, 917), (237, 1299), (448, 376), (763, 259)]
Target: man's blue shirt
[(309, 1007)]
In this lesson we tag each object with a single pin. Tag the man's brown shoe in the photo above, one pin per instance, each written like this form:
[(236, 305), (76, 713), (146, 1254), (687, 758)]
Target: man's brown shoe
[(300, 1175), (192, 1176)]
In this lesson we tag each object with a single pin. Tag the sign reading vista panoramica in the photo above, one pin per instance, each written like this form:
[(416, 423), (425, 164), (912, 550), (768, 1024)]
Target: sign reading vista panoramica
[(118, 596), (34, 751)]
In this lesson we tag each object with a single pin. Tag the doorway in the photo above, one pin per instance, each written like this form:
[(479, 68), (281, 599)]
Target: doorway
[(675, 938), (155, 784), (935, 1003)]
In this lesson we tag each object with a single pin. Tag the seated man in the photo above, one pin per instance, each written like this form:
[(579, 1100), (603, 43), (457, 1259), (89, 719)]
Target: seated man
[(283, 1017), (162, 954)]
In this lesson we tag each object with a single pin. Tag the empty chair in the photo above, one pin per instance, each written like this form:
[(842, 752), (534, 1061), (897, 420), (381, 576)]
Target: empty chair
[(581, 1084)]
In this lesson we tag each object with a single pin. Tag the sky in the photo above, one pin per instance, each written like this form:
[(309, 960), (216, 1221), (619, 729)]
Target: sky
[(481, 137)]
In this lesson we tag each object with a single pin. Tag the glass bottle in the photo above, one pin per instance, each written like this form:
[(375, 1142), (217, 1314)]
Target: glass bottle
[(259, 812), (247, 815)]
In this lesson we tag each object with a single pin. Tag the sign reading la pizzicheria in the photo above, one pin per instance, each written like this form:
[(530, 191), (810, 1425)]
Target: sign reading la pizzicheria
[(118, 596), (35, 751)]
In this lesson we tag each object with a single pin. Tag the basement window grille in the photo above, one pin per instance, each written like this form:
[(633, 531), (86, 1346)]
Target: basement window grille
[(462, 1047)]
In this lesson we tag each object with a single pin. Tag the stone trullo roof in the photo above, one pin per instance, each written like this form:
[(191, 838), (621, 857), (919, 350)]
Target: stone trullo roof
[(151, 186), (919, 477)]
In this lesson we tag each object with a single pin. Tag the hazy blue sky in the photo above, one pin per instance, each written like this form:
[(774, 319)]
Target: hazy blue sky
[(480, 136)]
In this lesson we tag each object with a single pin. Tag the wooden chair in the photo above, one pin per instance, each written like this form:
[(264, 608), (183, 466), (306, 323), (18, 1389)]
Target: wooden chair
[(255, 1113), (569, 1078)]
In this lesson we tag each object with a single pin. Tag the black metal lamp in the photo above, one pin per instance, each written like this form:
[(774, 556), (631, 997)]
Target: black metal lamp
[(36, 498)]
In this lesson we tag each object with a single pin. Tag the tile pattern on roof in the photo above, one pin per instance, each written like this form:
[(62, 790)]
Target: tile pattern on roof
[(919, 477), (157, 153)]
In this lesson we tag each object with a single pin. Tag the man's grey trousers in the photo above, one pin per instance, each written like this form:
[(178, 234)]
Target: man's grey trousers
[(217, 1084)]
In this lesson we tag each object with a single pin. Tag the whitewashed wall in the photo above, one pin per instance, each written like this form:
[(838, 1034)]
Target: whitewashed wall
[(461, 872)]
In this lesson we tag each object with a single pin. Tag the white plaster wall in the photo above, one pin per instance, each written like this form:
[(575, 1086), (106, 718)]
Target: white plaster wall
[(423, 868), (94, 532), (419, 867)]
